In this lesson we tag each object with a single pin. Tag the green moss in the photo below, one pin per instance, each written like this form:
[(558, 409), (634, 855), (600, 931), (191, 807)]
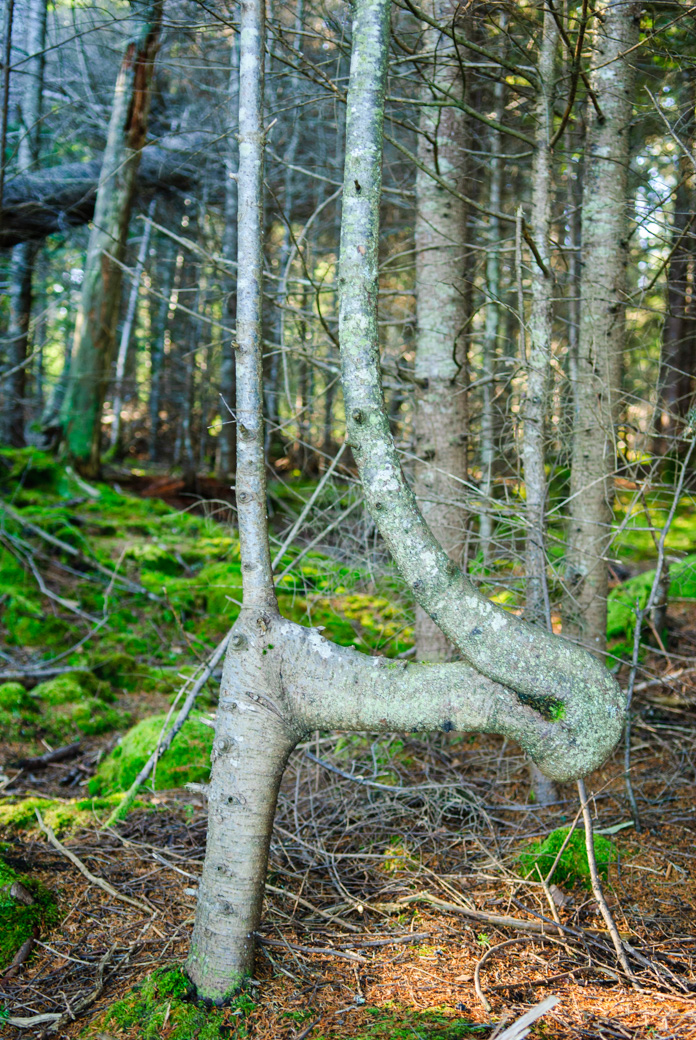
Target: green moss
[(60, 709), (621, 604), (186, 761), (550, 708), (167, 993), (573, 866), (61, 815), (17, 921)]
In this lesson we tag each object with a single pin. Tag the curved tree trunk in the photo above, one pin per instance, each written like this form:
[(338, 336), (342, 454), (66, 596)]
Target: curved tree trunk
[(601, 341), (101, 288), (441, 313), (280, 680)]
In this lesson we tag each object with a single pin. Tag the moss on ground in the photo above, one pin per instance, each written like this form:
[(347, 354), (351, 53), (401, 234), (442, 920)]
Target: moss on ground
[(622, 600), (573, 866), (62, 815), (61, 709), (186, 761), (19, 922), (167, 995)]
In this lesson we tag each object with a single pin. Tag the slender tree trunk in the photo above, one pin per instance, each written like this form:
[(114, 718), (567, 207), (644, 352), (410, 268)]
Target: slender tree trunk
[(167, 271), (24, 255), (602, 325), (491, 331), (101, 289), (538, 359), (227, 448), (127, 330), (441, 313), (678, 361), (564, 708)]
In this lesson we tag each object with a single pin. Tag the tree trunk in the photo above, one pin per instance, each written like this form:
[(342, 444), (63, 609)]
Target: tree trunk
[(490, 335), (563, 708), (101, 288), (602, 326), (441, 313), (127, 331), (538, 359), (678, 360), (167, 267), (227, 447), (24, 255)]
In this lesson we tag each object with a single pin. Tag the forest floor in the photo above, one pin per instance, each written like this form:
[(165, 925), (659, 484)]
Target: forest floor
[(393, 861)]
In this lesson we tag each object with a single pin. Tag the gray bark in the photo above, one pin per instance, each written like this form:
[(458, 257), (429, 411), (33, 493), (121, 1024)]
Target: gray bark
[(227, 448), (167, 266), (601, 341), (540, 325), (127, 330), (441, 311), (280, 680), (490, 339), (24, 254)]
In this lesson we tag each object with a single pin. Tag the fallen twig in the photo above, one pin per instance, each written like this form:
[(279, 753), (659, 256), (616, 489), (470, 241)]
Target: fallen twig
[(59, 755), (92, 878), (522, 1026), (344, 954)]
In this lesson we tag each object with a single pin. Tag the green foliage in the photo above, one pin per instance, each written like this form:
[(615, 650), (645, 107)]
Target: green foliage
[(622, 600), (167, 993), (573, 866), (19, 922), (186, 761)]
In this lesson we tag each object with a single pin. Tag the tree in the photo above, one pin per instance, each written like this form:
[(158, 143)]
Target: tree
[(281, 680), (24, 254), (597, 387), (95, 331), (441, 419)]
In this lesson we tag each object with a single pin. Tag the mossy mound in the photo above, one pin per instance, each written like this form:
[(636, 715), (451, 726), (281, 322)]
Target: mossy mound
[(18, 712), (168, 994), (573, 866), (18, 922), (63, 708), (186, 761), (62, 815)]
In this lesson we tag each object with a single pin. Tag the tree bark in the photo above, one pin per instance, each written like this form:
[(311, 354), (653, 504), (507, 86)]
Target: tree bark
[(678, 360), (280, 680), (127, 331), (167, 266), (538, 355), (101, 289), (24, 254), (441, 312), (597, 390), (228, 433)]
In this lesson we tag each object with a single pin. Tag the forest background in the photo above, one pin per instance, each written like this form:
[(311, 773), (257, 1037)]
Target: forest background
[(576, 514)]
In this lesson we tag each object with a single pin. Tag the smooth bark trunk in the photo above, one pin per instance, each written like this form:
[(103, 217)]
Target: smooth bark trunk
[(127, 331), (24, 254), (441, 313), (601, 342)]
